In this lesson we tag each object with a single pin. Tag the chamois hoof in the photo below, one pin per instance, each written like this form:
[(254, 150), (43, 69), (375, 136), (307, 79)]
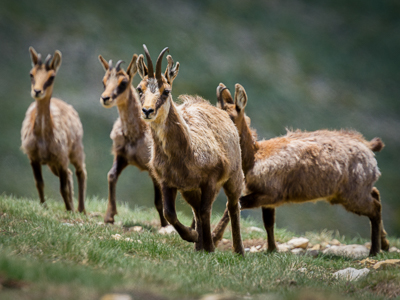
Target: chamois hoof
[(82, 211), (373, 252), (109, 220), (44, 205), (385, 245)]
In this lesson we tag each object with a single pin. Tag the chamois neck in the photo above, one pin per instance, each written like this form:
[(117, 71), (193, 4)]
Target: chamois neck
[(129, 112), (171, 135), (249, 147), (43, 122)]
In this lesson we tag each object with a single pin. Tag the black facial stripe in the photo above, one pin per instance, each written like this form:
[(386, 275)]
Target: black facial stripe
[(48, 83), (122, 87), (161, 100)]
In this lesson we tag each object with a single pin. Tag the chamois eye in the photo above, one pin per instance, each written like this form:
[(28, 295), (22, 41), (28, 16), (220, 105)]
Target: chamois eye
[(166, 93), (31, 75), (140, 91)]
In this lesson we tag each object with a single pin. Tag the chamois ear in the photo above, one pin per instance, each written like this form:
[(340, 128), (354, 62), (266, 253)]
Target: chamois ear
[(223, 96), (34, 56), (105, 64), (172, 71), (141, 67), (132, 68), (240, 96), (56, 61)]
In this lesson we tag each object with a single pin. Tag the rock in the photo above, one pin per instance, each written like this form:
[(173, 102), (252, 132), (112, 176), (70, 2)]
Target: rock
[(351, 274), (368, 262), (116, 297), (258, 247), (116, 236), (325, 245), (316, 247), (167, 230), (283, 248), (334, 242), (348, 250), (136, 228), (394, 249), (302, 270), (256, 229), (299, 243), (246, 249), (385, 264), (298, 251), (218, 297), (368, 245), (67, 224), (313, 253), (224, 241)]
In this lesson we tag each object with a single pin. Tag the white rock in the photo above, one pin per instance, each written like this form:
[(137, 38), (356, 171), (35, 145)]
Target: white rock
[(256, 229), (302, 270), (67, 224), (167, 230), (394, 249), (283, 248), (351, 273), (136, 228), (297, 251), (246, 249), (354, 251), (299, 243), (116, 236), (116, 297)]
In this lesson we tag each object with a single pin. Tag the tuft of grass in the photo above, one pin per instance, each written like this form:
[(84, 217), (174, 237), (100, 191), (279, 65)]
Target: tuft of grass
[(57, 254)]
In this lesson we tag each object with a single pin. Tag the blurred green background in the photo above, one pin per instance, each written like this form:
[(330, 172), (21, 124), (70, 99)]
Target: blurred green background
[(304, 64)]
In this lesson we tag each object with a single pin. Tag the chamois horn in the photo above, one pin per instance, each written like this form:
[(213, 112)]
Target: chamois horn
[(110, 64), (159, 62), (39, 59), (149, 62), (118, 65), (47, 61)]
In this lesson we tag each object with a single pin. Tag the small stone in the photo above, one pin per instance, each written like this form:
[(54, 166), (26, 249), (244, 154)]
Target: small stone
[(368, 245), (351, 274), (354, 251), (253, 249), (119, 223), (167, 230), (258, 247), (385, 264), (116, 297), (128, 240), (246, 249), (218, 297), (297, 251), (299, 243), (136, 228), (302, 270), (334, 242), (394, 249), (313, 253), (256, 229), (116, 236), (316, 247), (224, 241), (283, 248), (67, 224)]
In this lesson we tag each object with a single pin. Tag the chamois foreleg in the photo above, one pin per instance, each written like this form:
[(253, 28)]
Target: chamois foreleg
[(169, 196), (37, 173), (268, 215), (194, 200), (219, 230), (158, 202), (66, 187), (80, 171), (208, 194), (119, 164)]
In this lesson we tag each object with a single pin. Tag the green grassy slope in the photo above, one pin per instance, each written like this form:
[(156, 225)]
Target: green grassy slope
[(49, 253), (304, 64)]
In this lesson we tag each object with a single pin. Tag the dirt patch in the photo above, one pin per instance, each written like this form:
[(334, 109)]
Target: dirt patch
[(226, 245)]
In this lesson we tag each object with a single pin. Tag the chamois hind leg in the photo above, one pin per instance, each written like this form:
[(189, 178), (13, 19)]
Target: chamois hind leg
[(384, 242), (66, 187), (232, 191), (268, 215), (158, 202), (219, 230), (80, 171), (37, 173), (119, 164), (371, 208), (253, 200), (169, 196)]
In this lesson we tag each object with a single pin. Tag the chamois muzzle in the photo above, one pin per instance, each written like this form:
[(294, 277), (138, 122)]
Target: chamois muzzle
[(105, 100), (147, 112)]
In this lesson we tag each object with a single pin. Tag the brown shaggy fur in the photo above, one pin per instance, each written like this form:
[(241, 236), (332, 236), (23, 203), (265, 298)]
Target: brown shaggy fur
[(196, 151), (338, 166), (52, 133), (131, 136)]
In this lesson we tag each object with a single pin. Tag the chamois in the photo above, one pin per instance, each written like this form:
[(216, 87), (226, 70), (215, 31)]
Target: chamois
[(195, 150), (131, 135), (52, 133), (338, 166)]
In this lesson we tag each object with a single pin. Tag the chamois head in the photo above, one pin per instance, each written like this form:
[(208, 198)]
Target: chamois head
[(116, 81), (43, 73), (155, 88), (234, 108)]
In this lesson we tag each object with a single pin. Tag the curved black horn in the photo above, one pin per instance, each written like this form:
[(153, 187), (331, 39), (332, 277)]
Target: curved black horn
[(118, 65), (149, 62), (47, 61), (159, 62), (39, 59), (110, 64)]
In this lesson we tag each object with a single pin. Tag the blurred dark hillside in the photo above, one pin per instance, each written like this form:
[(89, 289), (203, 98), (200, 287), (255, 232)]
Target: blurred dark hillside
[(304, 64)]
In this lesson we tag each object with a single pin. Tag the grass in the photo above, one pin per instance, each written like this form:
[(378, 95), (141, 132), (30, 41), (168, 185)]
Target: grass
[(51, 254)]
